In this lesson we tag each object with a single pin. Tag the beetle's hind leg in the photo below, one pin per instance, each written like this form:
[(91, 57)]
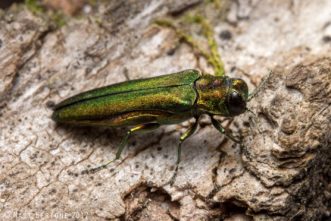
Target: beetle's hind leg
[(186, 135), (124, 142)]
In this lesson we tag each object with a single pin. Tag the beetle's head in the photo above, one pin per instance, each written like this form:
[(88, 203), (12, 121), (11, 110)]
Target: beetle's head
[(221, 95), (236, 96)]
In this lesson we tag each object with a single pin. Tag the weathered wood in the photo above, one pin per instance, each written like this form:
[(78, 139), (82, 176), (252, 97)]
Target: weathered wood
[(281, 172)]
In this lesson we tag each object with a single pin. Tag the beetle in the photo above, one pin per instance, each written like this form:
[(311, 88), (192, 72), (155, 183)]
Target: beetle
[(145, 104)]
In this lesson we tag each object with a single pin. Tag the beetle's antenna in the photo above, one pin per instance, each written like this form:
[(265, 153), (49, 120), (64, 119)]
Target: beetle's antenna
[(259, 87)]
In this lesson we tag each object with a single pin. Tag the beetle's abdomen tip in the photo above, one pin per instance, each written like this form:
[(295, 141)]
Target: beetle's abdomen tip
[(55, 116)]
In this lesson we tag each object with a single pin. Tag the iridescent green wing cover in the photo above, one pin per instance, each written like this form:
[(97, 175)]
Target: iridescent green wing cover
[(173, 93), (176, 79)]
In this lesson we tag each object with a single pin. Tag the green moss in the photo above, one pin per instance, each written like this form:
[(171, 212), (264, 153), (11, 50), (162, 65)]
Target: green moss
[(34, 6), (198, 17), (92, 2), (58, 18), (217, 3)]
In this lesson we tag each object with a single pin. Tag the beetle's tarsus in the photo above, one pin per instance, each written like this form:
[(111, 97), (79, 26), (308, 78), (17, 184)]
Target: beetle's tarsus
[(96, 169)]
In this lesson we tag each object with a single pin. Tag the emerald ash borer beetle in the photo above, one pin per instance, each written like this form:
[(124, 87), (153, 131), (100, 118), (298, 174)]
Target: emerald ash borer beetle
[(145, 104)]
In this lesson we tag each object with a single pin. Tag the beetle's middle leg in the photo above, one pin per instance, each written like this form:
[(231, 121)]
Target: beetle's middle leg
[(124, 142), (186, 135)]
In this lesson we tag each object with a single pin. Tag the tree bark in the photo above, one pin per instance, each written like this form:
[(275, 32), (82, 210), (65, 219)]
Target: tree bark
[(281, 171)]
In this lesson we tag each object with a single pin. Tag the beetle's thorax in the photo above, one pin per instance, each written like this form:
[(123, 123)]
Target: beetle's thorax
[(221, 95), (212, 93)]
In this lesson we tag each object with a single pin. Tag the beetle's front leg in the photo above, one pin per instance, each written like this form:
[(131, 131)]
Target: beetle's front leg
[(221, 129), (186, 135), (124, 142)]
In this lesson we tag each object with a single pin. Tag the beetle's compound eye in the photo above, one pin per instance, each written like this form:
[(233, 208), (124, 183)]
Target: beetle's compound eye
[(235, 103)]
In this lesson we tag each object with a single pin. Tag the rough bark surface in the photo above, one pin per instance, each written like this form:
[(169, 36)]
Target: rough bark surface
[(281, 172)]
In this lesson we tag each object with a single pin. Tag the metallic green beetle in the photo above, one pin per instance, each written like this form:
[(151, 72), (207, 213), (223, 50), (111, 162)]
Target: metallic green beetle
[(148, 103)]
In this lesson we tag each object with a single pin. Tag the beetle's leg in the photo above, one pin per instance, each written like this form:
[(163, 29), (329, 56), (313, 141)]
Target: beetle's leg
[(186, 135), (124, 142), (221, 129)]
